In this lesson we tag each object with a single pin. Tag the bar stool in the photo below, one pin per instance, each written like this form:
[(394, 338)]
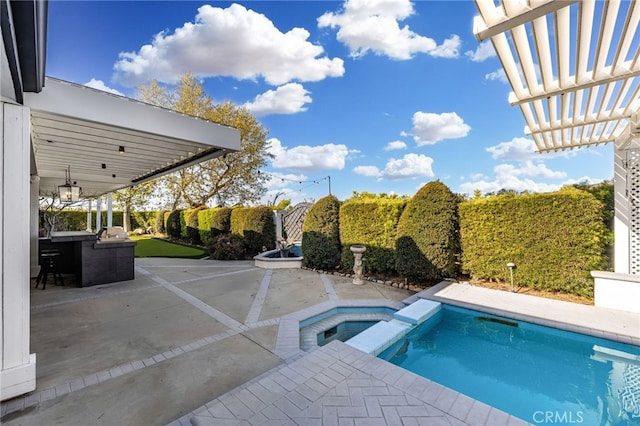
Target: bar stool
[(49, 264)]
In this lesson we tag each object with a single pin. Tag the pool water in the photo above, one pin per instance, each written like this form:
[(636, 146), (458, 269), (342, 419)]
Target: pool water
[(539, 374), (293, 250)]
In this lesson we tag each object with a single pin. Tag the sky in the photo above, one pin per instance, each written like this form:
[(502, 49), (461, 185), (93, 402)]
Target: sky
[(379, 96)]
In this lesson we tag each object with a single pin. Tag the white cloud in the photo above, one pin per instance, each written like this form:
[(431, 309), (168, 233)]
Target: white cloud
[(509, 183), (430, 128), (367, 170), (373, 25), (408, 167), (308, 158), (527, 168), (522, 149), (234, 42), (99, 85), (392, 146), (499, 75), (483, 52), (448, 48), (517, 178), (288, 99), (517, 149)]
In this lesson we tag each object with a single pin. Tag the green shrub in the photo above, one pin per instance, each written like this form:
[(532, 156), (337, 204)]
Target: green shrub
[(174, 228), (372, 222), (166, 220), (221, 221), (226, 247), (192, 226), (159, 226), (321, 234), (427, 241), (204, 223), (143, 220), (76, 220), (554, 239), (259, 230), (238, 219)]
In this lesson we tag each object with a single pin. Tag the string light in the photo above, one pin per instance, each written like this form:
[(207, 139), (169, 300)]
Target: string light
[(298, 181)]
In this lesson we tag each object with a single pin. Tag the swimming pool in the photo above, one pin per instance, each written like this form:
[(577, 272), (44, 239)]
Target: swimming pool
[(539, 374)]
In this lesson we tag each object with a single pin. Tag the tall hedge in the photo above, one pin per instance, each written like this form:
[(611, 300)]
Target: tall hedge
[(204, 223), (221, 221), (173, 225), (191, 229), (160, 226), (259, 230), (427, 241), (321, 234), (372, 222), (554, 239), (143, 219), (76, 220), (238, 219)]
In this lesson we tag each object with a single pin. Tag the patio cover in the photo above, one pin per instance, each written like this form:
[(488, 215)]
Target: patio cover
[(84, 129), (572, 65)]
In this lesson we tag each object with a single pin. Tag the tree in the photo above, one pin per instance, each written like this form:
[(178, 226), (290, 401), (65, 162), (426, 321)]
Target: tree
[(51, 209), (279, 205), (131, 198), (228, 180)]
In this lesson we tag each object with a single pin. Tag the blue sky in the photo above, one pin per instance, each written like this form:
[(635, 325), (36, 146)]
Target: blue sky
[(380, 95)]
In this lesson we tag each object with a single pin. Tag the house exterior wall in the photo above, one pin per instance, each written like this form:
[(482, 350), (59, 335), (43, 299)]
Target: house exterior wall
[(621, 289)]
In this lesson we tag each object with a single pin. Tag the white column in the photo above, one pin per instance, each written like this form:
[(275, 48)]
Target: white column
[(89, 217), (109, 210), (99, 213), (34, 225), (18, 368)]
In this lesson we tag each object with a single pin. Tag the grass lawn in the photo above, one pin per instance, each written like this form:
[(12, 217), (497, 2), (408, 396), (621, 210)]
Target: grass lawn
[(149, 246)]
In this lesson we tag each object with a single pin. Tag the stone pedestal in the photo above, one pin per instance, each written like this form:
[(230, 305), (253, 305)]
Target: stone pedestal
[(357, 251)]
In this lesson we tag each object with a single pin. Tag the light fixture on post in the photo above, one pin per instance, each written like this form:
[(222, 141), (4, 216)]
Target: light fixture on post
[(511, 267), (69, 193)]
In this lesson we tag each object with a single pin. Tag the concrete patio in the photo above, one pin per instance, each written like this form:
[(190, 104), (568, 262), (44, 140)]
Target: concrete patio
[(208, 342)]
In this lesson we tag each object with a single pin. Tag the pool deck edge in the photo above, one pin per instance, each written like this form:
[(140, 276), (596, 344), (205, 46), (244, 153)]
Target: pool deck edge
[(620, 326)]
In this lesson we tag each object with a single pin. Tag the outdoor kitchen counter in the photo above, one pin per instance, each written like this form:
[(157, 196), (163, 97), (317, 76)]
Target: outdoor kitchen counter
[(92, 261)]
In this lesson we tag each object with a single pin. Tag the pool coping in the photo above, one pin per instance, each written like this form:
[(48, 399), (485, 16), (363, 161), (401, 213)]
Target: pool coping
[(288, 339), (611, 324), (309, 333)]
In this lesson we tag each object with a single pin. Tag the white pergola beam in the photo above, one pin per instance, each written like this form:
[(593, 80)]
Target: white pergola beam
[(521, 14), (584, 87)]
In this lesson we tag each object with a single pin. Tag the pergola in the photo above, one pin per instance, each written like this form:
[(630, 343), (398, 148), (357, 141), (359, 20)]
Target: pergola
[(51, 129), (109, 142), (573, 67)]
